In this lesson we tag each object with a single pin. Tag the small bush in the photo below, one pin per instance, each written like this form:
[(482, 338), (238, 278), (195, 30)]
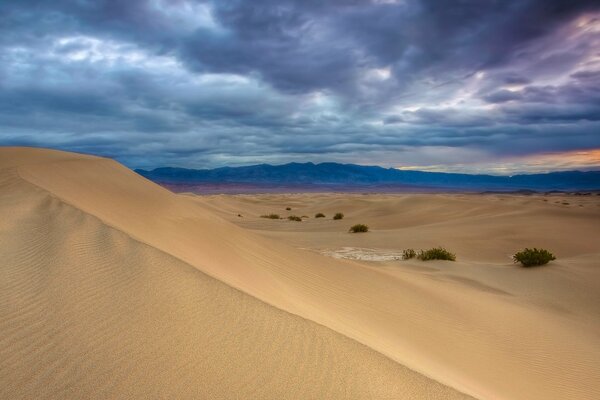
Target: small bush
[(270, 216), (436, 253), (319, 215), (532, 257), (294, 218), (338, 216), (408, 254), (240, 215), (359, 228), (304, 216), (288, 208)]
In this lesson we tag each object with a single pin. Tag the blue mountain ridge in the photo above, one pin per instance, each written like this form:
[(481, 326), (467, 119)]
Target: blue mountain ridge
[(329, 173)]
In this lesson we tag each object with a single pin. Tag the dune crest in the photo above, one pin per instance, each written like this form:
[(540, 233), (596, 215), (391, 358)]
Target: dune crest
[(150, 250), (86, 311)]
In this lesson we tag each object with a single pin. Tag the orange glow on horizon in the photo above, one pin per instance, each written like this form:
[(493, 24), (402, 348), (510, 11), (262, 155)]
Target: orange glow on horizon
[(539, 163)]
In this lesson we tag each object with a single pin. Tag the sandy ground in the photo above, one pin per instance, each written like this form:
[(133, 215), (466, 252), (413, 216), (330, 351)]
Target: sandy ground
[(481, 324), (113, 287)]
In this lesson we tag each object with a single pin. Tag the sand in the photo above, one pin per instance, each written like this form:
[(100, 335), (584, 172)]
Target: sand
[(481, 324), (113, 287)]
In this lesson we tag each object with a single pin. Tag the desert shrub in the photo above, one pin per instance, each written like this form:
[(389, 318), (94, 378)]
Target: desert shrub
[(240, 215), (408, 254), (319, 215), (436, 253), (294, 218), (532, 257), (288, 208), (270, 216), (338, 216), (359, 228), (304, 216)]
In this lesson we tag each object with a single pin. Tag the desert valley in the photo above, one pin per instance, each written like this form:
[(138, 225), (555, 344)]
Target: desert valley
[(300, 200), (114, 287)]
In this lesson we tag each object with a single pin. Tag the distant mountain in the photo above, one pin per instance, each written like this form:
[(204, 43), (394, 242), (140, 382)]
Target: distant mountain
[(350, 175)]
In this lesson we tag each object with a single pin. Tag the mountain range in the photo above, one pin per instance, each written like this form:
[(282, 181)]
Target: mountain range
[(332, 175)]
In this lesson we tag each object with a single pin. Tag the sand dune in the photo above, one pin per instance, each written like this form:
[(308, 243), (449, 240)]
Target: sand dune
[(530, 322), (87, 311), (401, 221), (112, 287)]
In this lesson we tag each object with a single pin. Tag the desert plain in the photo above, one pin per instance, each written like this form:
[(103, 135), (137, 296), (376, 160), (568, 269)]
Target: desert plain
[(114, 287)]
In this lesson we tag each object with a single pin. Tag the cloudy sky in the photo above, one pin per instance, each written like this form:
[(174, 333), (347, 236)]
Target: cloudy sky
[(497, 86)]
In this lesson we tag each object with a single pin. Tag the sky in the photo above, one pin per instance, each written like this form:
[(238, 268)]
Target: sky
[(496, 86)]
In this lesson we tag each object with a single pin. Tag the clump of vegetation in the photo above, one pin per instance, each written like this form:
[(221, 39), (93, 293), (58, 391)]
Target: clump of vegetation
[(240, 215), (270, 216), (294, 218), (359, 228), (288, 208), (304, 216), (436, 253), (319, 215), (533, 257), (338, 216), (408, 254)]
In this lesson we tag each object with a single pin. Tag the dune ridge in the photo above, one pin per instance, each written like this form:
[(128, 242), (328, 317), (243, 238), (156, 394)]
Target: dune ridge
[(86, 311), (433, 327)]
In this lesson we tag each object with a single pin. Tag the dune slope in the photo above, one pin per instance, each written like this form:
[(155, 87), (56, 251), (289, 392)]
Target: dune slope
[(86, 311), (480, 342)]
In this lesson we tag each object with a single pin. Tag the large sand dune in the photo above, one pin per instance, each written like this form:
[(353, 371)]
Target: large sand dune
[(111, 286), (88, 311), (518, 330)]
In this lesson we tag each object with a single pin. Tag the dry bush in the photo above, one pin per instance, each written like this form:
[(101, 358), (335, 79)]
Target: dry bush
[(270, 216), (358, 228), (436, 253), (533, 257)]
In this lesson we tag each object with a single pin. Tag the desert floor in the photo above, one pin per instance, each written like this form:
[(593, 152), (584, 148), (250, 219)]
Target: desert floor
[(113, 287), (510, 327)]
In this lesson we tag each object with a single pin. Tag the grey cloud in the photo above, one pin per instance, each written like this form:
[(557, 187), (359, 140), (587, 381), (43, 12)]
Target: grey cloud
[(502, 96), (248, 79)]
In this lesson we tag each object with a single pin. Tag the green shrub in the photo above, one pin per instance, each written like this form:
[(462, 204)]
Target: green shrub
[(288, 208), (532, 257), (319, 215), (294, 218), (270, 216), (408, 254), (359, 228), (338, 216), (436, 253)]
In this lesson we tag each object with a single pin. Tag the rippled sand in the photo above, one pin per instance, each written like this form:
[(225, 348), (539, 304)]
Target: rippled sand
[(113, 287)]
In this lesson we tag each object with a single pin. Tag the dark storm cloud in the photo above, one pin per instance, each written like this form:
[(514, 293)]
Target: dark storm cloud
[(205, 83), (501, 96), (307, 45)]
